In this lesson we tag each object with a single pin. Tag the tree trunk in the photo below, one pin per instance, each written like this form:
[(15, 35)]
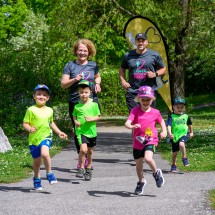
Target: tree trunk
[(177, 76)]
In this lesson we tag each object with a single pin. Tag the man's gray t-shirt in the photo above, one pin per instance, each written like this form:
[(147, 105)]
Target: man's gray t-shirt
[(88, 71), (138, 65)]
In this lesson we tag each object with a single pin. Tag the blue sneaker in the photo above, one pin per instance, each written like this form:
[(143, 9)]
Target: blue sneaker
[(159, 178), (37, 184), (140, 187), (185, 162), (51, 178), (173, 168)]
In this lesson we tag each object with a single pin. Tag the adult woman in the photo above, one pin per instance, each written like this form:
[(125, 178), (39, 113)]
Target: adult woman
[(79, 69)]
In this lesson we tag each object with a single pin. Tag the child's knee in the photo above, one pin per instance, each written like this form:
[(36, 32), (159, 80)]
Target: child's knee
[(181, 144)]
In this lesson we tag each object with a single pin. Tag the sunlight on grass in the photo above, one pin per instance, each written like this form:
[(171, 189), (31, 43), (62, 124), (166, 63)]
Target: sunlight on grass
[(212, 198)]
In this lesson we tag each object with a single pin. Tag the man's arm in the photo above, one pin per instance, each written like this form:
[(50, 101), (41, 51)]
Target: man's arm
[(158, 73), (124, 83)]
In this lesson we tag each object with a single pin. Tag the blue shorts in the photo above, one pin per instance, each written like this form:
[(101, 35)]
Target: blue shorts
[(175, 146), (36, 150)]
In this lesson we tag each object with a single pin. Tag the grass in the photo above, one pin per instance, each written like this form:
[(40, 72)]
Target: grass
[(16, 164), (212, 198)]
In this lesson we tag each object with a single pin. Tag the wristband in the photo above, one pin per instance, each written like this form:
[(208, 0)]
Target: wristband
[(98, 83), (156, 74)]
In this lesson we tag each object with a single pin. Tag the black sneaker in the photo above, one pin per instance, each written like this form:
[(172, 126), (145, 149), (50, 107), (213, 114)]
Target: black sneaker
[(159, 178), (80, 173), (88, 174), (140, 187)]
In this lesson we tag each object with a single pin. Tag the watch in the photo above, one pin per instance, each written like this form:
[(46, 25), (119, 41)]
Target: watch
[(156, 74)]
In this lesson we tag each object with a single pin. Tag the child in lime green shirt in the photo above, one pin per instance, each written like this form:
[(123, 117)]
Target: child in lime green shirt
[(38, 121)]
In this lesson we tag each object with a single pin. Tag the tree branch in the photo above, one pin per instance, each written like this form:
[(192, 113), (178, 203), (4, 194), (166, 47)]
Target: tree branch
[(123, 9)]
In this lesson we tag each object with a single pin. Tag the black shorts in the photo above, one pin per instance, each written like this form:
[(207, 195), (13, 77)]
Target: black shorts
[(91, 142), (175, 146), (141, 153)]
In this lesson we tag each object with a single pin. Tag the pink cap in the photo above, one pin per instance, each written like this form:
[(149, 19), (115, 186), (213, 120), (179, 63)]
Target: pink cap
[(145, 92)]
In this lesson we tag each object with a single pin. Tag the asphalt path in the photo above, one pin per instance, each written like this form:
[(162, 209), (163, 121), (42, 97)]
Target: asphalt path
[(111, 190)]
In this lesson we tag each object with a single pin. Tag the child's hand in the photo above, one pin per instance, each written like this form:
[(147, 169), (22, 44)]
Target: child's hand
[(62, 135), (89, 119), (163, 134), (136, 126), (33, 129), (191, 134), (171, 136), (77, 123)]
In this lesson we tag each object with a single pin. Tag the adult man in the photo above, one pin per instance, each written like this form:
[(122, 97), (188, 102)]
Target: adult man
[(143, 65)]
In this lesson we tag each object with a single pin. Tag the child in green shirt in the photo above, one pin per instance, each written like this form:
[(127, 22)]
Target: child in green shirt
[(38, 121), (85, 115), (179, 127)]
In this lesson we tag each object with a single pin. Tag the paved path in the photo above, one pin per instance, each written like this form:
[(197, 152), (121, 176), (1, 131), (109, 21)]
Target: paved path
[(110, 192)]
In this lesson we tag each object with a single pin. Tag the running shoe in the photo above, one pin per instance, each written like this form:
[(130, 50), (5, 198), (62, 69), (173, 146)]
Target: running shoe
[(140, 187), (159, 178), (185, 162), (37, 184), (51, 178)]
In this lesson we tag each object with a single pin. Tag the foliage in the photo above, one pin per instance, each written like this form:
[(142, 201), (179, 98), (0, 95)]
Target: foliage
[(36, 38)]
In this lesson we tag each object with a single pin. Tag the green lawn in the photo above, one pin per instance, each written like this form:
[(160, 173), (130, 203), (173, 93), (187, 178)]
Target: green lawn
[(16, 164)]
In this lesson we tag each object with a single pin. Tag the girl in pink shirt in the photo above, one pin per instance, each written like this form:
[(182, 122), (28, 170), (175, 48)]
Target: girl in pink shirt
[(142, 120)]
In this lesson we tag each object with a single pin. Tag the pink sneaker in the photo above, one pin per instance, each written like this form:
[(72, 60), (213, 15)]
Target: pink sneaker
[(86, 163)]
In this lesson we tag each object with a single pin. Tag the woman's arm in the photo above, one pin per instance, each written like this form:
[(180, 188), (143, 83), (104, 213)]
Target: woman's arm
[(97, 78), (67, 82)]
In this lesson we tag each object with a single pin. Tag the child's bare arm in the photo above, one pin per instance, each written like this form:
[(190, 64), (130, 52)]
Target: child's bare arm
[(128, 124), (163, 129), (169, 129), (77, 123), (58, 131), (190, 131), (28, 127), (92, 118)]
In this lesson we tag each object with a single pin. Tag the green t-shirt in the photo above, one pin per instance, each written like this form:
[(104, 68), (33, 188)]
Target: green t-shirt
[(88, 129), (41, 119), (179, 125)]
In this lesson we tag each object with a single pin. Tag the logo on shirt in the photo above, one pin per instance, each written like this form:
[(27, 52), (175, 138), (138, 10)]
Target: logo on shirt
[(140, 72)]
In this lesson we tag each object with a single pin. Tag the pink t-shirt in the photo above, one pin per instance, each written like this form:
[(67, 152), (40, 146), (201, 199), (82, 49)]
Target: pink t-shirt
[(148, 121)]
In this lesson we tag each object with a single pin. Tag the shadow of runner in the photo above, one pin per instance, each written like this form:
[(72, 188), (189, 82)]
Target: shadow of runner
[(117, 193)]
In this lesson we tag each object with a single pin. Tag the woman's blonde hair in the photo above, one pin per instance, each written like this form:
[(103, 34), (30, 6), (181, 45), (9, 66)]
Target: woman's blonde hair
[(88, 43)]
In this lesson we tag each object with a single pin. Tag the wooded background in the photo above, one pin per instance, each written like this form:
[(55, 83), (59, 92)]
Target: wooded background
[(36, 37)]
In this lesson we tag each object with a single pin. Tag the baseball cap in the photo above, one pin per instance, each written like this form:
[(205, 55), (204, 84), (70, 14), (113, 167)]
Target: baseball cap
[(42, 86), (145, 92), (84, 83), (179, 100), (141, 36)]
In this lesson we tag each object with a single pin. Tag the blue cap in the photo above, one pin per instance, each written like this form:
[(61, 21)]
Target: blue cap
[(42, 86), (179, 100)]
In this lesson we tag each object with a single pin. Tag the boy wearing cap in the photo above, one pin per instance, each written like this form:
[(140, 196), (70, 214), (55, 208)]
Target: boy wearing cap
[(178, 125), (142, 120), (143, 66), (38, 121), (85, 115)]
